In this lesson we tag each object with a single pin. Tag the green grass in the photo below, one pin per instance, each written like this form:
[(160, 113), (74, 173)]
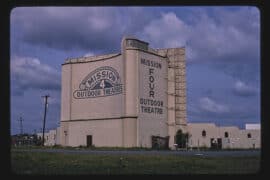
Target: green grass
[(66, 164)]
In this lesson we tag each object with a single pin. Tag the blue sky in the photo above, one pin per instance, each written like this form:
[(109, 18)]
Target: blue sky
[(222, 53)]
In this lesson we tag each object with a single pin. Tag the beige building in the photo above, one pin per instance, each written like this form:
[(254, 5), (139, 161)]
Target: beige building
[(135, 98), (51, 138), (209, 135)]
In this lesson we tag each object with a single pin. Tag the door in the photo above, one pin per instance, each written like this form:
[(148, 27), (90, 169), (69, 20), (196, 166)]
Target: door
[(160, 142), (219, 143), (89, 140)]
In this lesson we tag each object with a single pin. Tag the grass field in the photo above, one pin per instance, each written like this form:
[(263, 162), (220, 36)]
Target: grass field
[(65, 164)]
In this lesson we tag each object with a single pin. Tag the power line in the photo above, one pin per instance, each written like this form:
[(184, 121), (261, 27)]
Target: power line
[(44, 120)]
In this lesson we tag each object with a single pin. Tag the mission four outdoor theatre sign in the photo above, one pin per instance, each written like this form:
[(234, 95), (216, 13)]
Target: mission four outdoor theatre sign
[(103, 81)]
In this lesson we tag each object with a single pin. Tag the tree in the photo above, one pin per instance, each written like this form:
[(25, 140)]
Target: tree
[(181, 139), (37, 140)]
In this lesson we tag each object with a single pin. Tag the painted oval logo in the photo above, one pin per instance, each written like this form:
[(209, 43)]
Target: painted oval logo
[(104, 81)]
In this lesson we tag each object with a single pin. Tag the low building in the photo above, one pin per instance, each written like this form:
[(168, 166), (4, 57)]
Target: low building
[(253, 126), (208, 135), (51, 138)]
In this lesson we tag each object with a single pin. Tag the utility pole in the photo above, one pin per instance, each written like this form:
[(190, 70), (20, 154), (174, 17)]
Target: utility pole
[(21, 125), (46, 105)]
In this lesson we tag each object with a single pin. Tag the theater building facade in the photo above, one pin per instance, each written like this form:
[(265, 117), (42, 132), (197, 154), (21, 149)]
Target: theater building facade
[(135, 98)]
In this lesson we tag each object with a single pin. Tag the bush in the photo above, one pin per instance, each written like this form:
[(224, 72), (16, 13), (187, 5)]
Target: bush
[(181, 139)]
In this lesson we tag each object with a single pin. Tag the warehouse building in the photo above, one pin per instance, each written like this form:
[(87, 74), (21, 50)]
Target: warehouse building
[(136, 98)]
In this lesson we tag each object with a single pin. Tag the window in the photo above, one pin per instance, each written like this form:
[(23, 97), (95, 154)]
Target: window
[(249, 135), (226, 134), (203, 133)]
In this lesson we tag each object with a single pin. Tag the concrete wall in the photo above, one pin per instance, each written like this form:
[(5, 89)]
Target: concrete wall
[(91, 108), (130, 100), (196, 139), (153, 97), (85, 111), (142, 123), (237, 138), (104, 132), (66, 92)]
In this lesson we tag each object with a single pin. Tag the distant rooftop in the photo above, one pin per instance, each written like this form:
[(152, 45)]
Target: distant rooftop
[(253, 126)]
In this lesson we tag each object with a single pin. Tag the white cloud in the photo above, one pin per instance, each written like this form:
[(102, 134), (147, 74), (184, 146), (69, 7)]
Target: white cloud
[(168, 31), (221, 33), (209, 105), (83, 28), (219, 36), (28, 72), (242, 89)]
